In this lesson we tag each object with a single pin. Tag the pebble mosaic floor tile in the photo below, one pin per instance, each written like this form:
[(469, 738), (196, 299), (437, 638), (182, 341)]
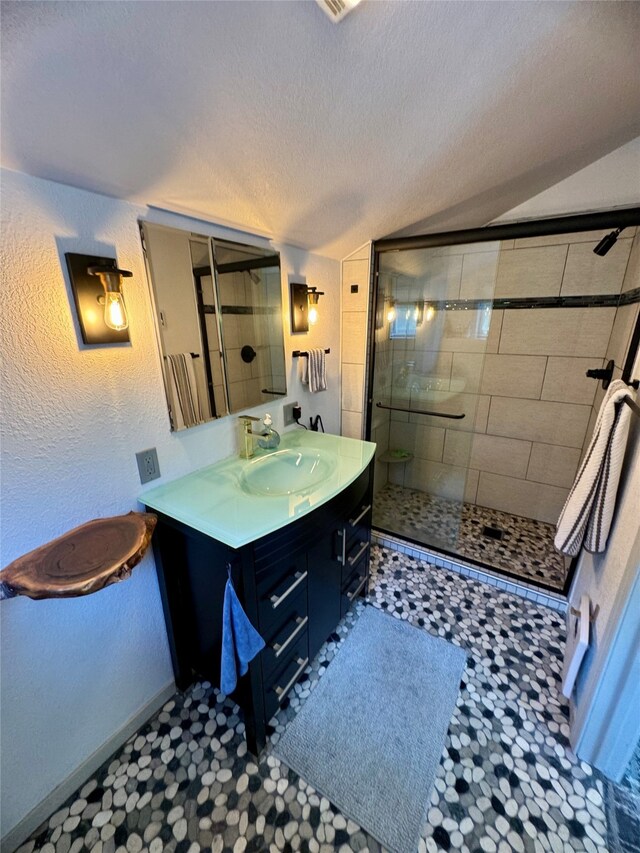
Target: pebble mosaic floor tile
[(526, 548), (507, 780)]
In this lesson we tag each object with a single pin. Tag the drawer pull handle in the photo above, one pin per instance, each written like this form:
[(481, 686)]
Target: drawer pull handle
[(356, 593), (353, 560), (281, 692), (276, 600), (354, 521), (342, 559), (280, 647)]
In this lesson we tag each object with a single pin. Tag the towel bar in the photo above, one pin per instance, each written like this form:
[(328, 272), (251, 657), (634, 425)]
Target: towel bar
[(420, 412), (297, 353)]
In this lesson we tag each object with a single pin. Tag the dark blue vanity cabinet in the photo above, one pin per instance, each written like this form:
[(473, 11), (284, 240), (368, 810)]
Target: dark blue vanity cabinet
[(295, 585)]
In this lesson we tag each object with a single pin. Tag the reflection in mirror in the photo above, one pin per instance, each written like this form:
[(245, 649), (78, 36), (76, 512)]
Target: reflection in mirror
[(220, 335), (249, 293)]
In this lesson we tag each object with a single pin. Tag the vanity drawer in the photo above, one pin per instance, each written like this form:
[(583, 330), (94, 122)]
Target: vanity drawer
[(285, 636), (277, 599), (355, 585), (281, 682), (356, 553), (358, 526)]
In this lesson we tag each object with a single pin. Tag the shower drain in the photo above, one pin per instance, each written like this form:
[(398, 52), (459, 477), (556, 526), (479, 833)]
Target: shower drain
[(492, 532)]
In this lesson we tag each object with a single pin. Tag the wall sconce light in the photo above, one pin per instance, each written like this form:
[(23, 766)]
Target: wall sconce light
[(391, 312), (96, 283), (304, 306), (313, 294), (431, 312), (418, 313)]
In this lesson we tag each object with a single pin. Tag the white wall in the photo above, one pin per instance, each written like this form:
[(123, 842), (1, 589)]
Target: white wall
[(611, 181), (602, 576), (74, 671)]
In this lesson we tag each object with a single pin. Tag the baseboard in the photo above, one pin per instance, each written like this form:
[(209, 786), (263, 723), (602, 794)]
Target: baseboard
[(23, 829)]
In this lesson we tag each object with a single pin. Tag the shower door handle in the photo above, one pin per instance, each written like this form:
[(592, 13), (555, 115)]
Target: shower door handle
[(421, 412)]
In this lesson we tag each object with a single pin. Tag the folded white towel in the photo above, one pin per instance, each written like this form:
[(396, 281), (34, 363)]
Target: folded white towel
[(183, 388), (588, 511), (314, 373)]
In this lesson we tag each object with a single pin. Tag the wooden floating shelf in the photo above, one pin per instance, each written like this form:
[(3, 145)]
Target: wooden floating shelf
[(84, 560)]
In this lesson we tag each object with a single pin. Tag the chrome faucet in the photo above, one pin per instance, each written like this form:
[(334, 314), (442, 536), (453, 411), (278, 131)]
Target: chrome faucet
[(246, 436)]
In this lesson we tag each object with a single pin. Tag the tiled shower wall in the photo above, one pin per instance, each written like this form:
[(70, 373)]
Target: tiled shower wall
[(623, 326), (521, 383), (356, 276)]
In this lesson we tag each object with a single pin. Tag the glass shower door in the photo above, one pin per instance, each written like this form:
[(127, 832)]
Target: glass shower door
[(433, 326)]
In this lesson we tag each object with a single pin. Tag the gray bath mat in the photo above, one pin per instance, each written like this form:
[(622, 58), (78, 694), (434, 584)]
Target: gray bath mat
[(371, 734)]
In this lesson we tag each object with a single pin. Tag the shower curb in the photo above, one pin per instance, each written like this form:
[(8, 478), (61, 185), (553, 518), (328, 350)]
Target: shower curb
[(524, 590)]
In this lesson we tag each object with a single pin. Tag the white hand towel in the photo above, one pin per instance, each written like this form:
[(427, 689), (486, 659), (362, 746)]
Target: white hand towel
[(588, 511), (315, 371), (184, 390)]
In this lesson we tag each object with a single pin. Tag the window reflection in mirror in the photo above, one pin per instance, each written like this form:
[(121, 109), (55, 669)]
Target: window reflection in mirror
[(220, 335)]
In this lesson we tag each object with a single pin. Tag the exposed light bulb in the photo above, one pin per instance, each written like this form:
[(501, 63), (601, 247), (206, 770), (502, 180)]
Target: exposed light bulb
[(313, 315), (115, 314)]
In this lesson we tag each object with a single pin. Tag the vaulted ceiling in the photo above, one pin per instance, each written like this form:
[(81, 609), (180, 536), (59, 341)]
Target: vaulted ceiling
[(406, 117)]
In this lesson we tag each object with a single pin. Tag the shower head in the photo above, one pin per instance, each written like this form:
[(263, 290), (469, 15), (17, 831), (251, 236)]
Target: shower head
[(607, 242), (253, 276)]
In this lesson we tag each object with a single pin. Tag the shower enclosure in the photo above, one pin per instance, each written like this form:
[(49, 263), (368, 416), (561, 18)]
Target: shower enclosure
[(478, 395)]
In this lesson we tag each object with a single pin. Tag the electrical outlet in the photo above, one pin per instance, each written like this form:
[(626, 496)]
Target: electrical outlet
[(148, 466), (287, 411)]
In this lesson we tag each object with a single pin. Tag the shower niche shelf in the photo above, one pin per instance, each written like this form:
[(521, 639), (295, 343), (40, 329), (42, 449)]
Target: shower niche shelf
[(394, 457)]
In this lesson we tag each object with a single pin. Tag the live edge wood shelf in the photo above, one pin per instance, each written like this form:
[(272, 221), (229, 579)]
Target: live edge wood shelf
[(295, 585), (84, 560)]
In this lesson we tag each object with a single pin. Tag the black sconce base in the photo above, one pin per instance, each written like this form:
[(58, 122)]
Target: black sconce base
[(88, 295)]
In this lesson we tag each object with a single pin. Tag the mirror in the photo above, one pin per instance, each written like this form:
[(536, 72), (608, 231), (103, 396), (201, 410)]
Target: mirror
[(218, 307)]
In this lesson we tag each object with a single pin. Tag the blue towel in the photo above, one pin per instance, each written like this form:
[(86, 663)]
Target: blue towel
[(240, 640)]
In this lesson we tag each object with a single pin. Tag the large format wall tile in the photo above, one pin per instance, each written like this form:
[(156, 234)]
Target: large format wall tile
[(513, 375), (491, 453), (538, 420), (555, 466), (455, 331), (479, 272), (520, 497), (621, 334), (354, 337), (495, 328), (352, 387), (357, 273), (531, 272), (423, 441), (565, 380), (588, 273), (352, 423), (632, 275), (592, 237), (500, 455), (474, 406), (445, 481), (557, 331)]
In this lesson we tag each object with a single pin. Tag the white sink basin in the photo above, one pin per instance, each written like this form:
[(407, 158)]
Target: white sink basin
[(288, 472)]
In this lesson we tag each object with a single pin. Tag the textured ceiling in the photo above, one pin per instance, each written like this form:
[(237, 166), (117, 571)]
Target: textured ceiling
[(406, 117)]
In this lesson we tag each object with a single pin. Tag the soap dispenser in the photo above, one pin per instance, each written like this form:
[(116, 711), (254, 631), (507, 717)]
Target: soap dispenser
[(270, 438)]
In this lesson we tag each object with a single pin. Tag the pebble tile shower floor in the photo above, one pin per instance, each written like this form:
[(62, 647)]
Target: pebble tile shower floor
[(507, 780), (525, 549)]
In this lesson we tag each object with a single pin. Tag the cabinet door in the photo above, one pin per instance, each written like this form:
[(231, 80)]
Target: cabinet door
[(324, 589)]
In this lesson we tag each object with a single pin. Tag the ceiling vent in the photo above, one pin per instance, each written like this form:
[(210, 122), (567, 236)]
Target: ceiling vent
[(337, 9)]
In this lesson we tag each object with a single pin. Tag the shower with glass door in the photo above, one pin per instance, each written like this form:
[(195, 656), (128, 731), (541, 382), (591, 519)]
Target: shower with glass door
[(479, 399)]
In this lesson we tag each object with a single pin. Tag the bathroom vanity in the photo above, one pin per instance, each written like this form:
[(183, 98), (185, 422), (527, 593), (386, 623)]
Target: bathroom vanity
[(294, 527)]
